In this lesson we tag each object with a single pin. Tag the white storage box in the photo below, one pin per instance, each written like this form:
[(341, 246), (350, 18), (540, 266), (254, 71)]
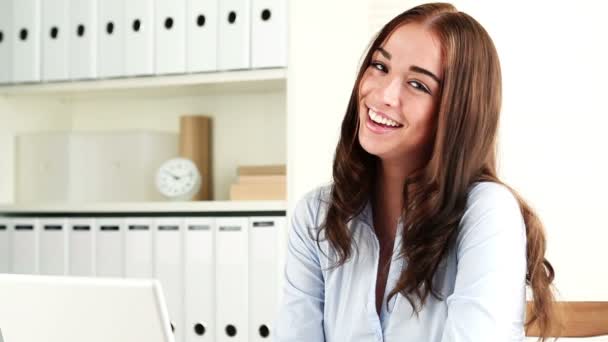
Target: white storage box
[(90, 166)]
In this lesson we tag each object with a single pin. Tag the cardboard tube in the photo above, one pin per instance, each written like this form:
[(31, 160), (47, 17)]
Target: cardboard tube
[(195, 144)]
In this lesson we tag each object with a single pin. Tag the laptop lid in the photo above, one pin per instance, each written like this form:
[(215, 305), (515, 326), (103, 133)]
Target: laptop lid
[(77, 309)]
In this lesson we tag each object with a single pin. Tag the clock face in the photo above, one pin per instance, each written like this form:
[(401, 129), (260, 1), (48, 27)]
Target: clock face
[(178, 178)]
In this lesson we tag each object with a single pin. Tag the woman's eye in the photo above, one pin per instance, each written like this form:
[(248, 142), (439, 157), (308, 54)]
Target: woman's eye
[(420, 86), (379, 66)]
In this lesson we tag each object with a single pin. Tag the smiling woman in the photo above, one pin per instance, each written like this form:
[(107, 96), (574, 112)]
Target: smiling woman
[(417, 239), (400, 89)]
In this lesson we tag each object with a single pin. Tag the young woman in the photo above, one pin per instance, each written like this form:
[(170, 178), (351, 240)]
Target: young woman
[(417, 239)]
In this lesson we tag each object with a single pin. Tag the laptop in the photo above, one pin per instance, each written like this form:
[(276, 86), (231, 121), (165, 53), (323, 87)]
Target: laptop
[(82, 309)]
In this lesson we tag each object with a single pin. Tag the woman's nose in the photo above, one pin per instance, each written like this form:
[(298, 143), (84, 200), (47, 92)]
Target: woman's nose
[(391, 91)]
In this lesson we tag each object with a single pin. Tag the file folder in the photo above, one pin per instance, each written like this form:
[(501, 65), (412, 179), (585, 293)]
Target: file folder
[(199, 278), (26, 47), (202, 33), (268, 33), (170, 28), (24, 246), (264, 274), (83, 39), (169, 269), (234, 28), (53, 251), (232, 309), (111, 38), (139, 257), (109, 247), (55, 53), (282, 255), (139, 37), (6, 41), (82, 247), (5, 252)]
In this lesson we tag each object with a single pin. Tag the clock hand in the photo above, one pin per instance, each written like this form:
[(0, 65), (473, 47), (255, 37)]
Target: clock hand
[(184, 174), (173, 175)]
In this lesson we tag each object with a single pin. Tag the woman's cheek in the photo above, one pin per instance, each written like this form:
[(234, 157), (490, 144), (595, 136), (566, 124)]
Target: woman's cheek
[(366, 82)]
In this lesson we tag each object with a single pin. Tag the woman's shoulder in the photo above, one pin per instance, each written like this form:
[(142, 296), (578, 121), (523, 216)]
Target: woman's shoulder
[(315, 197), (491, 209), (309, 206), (483, 196)]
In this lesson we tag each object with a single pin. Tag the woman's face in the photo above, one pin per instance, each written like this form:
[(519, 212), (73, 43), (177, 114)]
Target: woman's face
[(401, 89)]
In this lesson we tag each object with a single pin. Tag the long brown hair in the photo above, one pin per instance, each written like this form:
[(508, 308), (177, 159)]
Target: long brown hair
[(463, 152)]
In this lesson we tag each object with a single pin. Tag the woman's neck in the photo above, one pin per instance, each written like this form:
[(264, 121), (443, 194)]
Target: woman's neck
[(388, 196)]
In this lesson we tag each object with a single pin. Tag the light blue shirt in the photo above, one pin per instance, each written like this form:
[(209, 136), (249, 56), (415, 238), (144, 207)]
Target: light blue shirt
[(482, 279)]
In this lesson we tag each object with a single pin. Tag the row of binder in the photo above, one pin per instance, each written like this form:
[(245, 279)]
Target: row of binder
[(57, 40), (220, 275)]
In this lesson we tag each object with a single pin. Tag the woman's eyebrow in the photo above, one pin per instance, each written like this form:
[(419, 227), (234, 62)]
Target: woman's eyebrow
[(426, 72), (414, 68), (384, 53)]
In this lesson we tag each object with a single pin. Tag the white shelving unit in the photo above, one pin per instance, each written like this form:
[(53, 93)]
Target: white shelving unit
[(247, 110), (146, 207), (226, 81), (288, 116)]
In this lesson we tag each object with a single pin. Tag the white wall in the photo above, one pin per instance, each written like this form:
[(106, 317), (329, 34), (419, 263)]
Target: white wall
[(553, 121), (552, 138), (327, 39)]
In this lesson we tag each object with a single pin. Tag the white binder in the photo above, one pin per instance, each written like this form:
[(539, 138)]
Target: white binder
[(5, 265), (168, 269), (110, 38), (24, 246), (139, 255), (55, 35), (264, 274), (6, 41), (53, 250), (83, 39), (231, 242), (26, 47), (109, 247), (234, 40), (82, 247), (199, 278), (139, 37), (170, 29), (202, 32), (268, 33)]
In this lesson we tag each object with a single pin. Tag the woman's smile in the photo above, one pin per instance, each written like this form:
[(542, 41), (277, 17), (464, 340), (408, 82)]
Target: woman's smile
[(379, 124)]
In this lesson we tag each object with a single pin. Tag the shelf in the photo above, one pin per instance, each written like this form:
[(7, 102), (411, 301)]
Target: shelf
[(193, 207), (183, 84)]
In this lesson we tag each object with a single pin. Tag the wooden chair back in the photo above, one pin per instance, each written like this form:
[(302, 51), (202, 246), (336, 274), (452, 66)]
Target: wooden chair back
[(579, 319)]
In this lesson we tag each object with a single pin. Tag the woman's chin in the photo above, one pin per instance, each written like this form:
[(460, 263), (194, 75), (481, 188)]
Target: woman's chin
[(374, 147)]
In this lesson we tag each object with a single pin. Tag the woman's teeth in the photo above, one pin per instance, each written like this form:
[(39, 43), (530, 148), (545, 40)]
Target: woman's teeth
[(382, 120)]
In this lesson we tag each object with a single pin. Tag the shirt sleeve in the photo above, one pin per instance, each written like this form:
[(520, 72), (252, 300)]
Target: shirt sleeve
[(488, 302), (300, 312)]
